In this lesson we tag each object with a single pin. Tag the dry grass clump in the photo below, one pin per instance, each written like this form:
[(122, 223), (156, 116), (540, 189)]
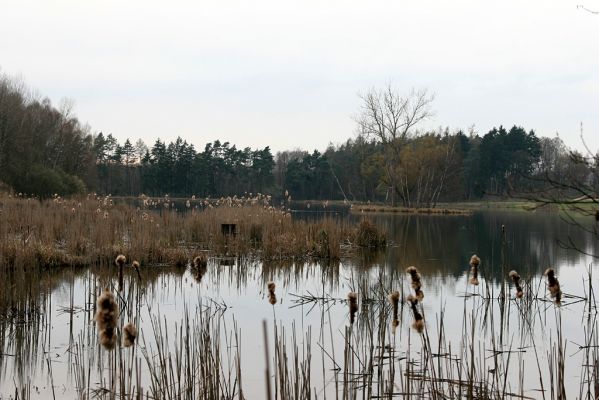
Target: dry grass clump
[(369, 235), (474, 263), (515, 276), (553, 285), (107, 316), (129, 335)]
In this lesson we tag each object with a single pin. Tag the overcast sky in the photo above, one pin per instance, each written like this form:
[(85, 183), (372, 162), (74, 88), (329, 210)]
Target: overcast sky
[(287, 74)]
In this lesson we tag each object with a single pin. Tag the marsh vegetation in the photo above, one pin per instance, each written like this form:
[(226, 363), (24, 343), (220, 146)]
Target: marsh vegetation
[(223, 323)]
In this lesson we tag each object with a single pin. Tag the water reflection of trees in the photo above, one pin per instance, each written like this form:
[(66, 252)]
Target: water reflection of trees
[(442, 245)]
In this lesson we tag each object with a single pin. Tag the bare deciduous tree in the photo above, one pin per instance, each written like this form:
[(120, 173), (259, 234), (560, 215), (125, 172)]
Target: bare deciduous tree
[(390, 118)]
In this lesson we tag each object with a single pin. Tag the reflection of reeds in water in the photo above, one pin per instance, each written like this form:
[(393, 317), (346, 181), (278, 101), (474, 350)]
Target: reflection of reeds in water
[(200, 264), (107, 316), (553, 285), (474, 263), (416, 282), (272, 297), (129, 335), (394, 301), (352, 300), (515, 276)]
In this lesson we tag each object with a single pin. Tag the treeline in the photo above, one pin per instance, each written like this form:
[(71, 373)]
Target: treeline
[(46, 150)]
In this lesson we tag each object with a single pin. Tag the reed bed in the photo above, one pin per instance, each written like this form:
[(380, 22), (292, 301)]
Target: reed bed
[(93, 230), (382, 339)]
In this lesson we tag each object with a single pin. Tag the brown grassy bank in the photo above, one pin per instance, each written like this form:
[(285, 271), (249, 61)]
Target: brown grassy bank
[(92, 230)]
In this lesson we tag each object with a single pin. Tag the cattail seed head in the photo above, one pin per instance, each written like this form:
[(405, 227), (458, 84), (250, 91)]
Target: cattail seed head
[(515, 276), (106, 317), (120, 260), (272, 297), (474, 260), (553, 285), (129, 335), (418, 325), (394, 298), (135, 264)]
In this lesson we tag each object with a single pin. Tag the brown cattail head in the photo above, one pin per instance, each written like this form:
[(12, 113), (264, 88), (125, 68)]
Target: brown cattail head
[(394, 301), (516, 279), (120, 260), (553, 285), (272, 299), (412, 270), (108, 338), (550, 274), (514, 276), (394, 298), (107, 316), (129, 335), (418, 324), (416, 278), (474, 263), (136, 265)]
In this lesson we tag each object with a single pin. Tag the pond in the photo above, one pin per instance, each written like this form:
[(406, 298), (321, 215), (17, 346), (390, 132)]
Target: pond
[(204, 337)]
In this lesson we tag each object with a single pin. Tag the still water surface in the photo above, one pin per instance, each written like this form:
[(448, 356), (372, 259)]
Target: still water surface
[(48, 336)]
